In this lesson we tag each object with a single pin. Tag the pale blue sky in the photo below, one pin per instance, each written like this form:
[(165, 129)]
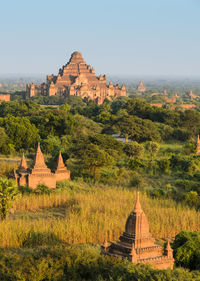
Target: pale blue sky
[(143, 37)]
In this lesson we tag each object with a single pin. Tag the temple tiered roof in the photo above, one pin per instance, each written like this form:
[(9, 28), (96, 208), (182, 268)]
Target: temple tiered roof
[(39, 164), (137, 245), (78, 79)]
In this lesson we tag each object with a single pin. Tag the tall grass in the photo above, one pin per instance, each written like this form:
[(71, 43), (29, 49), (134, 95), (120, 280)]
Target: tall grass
[(7, 167), (86, 216)]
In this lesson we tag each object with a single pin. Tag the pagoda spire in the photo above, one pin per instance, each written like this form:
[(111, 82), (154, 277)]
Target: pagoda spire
[(137, 226), (133, 254), (137, 208), (168, 250), (60, 164), (105, 244), (23, 164), (60, 161), (39, 164)]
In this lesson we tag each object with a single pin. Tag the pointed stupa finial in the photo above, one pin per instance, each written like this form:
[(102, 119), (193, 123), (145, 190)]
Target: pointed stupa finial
[(105, 244), (39, 164), (137, 207), (60, 165), (168, 247), (133, 254), (198, 139), (23, 164), (168, 250), (60, 161)]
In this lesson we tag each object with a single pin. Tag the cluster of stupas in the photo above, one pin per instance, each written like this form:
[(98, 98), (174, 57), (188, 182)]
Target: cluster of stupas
[(137, 245), (40, 173), (78, 79)]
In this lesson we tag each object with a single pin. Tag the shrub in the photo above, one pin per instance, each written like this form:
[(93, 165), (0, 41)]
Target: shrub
[(43, 189), (25, 190), (187, 249), (164, 165)]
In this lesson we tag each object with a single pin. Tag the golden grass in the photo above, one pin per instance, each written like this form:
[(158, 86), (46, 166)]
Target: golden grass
[(7, 167), (86, 216)]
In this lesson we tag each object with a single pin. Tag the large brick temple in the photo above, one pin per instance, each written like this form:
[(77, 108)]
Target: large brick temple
[(40, 173), (78, 79), (137, 245)]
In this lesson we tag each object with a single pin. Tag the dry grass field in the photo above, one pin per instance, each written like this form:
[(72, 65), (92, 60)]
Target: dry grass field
[(85, 214)]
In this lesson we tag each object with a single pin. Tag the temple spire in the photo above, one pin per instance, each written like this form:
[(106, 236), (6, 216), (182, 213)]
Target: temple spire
[(60, 161), (39, 164), (23, 164), (133, 254), (105, 244), (137, 207), (60, 164), (168, 250)]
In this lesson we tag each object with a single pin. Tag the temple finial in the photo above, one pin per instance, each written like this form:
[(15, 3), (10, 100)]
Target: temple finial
[(133, 254), (105, 244), (137, 204), (60, 161), (168, 250), (23, 164), (39, 164)]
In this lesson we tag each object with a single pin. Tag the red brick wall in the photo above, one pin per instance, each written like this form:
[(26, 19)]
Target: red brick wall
[(49, 180)]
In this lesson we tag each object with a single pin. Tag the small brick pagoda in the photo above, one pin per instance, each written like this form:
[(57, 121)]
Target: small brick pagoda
[(76, 78), (40, 173), (141, 87), (137, 245)]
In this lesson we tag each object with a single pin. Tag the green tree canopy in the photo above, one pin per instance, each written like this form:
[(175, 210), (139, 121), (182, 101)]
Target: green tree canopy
[(134, 149), (8, 192), (21, 132)]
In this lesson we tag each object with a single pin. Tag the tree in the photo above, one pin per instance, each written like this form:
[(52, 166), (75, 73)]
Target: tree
[(95, 158), (187, 249), (8, 192), (20, 131), (51, 144), (134, 149), (152, 148), (3, 139), (125, 126)]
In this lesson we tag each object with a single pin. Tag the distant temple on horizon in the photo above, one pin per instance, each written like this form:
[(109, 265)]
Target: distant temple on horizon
[(141, 87), (76, 78), (137, 245), (40, 173)]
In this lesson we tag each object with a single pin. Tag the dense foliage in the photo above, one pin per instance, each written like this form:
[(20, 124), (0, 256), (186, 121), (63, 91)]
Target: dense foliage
[(83, 132), (79, 263), (114, 147), (187, 249)]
